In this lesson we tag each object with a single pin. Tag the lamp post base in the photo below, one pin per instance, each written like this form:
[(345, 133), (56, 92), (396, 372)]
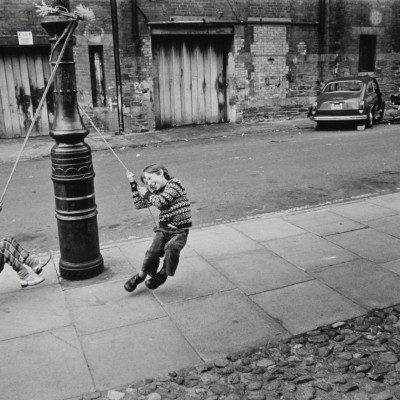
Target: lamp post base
[(76, 211), (78, 271)]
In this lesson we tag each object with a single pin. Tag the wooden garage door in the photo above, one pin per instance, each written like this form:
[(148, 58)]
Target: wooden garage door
[(189, 80), (23, 77)]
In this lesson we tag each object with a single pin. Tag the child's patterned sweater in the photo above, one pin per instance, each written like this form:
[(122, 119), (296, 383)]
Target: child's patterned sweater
[(171, 200)]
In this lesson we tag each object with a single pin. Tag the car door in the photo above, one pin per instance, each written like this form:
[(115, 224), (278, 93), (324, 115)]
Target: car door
[(379, 100), (371, 95)]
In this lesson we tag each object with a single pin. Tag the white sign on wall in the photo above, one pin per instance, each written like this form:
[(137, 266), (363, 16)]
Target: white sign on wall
[(375, 17), (25, 38)]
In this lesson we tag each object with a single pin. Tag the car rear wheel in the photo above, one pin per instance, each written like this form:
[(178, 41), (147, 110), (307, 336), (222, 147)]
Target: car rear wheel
[(320, 126)]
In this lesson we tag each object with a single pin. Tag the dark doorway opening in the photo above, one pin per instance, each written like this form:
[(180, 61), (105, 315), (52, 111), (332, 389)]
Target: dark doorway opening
[(366, 62), (97, 76)]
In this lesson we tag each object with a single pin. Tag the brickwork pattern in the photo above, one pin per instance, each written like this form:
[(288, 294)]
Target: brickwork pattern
[(269, 60), (23, 15), (271, 9), (274, 70)]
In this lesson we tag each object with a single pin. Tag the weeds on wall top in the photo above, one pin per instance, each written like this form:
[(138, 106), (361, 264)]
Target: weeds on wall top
[(80, 13)]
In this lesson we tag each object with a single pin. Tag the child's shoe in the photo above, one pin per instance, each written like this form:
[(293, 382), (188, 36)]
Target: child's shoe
[(31, 280), (131, 284), (37, 263), (156, 281)]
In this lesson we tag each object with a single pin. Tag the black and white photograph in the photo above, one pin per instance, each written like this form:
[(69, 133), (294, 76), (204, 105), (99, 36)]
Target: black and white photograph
[(200, 200)]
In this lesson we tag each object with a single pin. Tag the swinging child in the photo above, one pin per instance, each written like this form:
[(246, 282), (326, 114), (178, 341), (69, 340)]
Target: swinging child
[(169, 196)]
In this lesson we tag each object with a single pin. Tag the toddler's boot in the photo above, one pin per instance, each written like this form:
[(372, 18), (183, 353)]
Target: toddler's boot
[(155, 282), (31, 280), (131, 284)]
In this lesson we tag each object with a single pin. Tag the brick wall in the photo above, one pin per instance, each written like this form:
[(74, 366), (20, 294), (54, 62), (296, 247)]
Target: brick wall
[(19, 16), (24, 17), (275, 69), (135, 65), (97, 33), (271, 8)]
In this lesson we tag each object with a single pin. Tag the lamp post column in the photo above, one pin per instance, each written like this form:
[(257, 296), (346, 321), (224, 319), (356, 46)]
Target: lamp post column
[(72, 168)]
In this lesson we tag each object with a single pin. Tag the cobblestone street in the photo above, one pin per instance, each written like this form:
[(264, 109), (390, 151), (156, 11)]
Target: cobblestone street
[(356, 360)]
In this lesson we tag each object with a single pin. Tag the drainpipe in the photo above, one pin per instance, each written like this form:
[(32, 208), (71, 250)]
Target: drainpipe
[(324, 25), (114, 19), (323, 31)]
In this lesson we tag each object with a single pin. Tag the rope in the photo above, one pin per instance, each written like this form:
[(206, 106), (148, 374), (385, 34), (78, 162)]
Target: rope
[(59, 40), (112, 150), (40, 105), (105, 141)]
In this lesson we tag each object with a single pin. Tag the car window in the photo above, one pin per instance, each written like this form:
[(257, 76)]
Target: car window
[(343, 86)]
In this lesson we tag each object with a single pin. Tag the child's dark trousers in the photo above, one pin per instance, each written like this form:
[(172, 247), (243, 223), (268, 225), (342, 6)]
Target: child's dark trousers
[(167, 243)]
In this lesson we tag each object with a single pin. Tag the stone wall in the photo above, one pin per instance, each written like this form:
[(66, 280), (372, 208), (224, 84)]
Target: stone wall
[(349, 20)]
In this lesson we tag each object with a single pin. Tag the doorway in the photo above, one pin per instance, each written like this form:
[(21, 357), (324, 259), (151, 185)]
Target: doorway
[(24, 73), (190, 79)]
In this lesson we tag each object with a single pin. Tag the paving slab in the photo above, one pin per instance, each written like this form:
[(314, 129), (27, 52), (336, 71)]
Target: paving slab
[(134, 252), (391, 201), (220, 241), (363, 211), (389, 225), (36, 309), (309, 251), (364, 282), (194, 277), (264, 229), (370, 244), (323, 222), (259, 270), (393, 266), (116, 266), (107, 305), (219, 324), (123, 355), (306, 306), (44, 366)]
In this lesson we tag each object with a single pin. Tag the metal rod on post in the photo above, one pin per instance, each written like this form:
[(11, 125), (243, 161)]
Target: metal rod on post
[(114, 19)]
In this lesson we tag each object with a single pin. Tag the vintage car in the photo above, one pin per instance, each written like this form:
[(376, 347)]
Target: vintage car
[(351, 99)]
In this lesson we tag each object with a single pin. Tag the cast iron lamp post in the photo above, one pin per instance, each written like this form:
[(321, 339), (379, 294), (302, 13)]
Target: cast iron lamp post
[(71, 163)]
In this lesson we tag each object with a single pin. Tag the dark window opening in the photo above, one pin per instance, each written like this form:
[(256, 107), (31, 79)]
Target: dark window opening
[(97, 76), (366, 62), (248, 38)]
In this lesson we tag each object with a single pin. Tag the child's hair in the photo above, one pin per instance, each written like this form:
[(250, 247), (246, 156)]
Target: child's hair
[(154, 169)]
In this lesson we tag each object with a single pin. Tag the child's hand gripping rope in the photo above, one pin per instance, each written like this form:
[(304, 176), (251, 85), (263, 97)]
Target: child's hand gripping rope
[(131, 178), (130, 175)]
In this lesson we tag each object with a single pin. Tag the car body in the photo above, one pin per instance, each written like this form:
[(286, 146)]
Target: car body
[(349, 99)]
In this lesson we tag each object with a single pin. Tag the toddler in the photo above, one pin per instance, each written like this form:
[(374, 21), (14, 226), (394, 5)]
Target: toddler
[(12, 253)]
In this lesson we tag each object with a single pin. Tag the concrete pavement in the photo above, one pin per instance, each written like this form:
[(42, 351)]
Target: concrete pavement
[(238, 285)]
